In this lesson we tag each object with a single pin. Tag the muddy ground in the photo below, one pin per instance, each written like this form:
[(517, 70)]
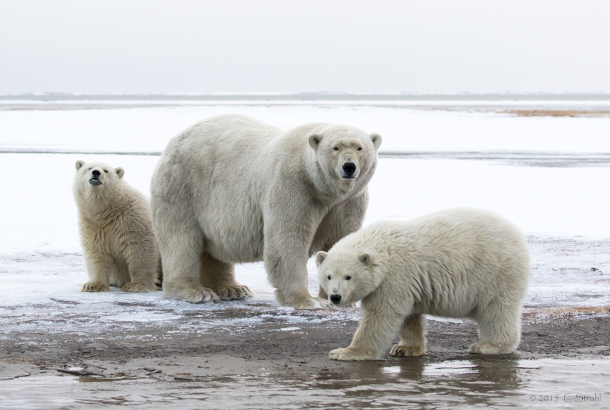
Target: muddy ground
[(166, 351)]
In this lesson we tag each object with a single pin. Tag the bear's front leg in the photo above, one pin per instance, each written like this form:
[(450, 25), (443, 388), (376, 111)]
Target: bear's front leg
[(98, 270), (351, 354), (374, 335), (288, 237)]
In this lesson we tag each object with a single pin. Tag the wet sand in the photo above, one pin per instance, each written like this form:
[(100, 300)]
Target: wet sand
[(275, 343), (274, 354)]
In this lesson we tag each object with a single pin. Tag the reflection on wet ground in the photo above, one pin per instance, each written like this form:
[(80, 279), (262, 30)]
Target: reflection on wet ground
[(413, 383)]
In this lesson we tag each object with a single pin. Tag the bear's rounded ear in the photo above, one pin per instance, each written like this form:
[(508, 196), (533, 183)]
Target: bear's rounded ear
[(365, 258), (120, 172), (314, 140), (320, 256), (376, 139), (79, 164)]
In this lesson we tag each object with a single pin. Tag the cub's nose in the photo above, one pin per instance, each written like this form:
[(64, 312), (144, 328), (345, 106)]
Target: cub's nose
[(335, 298), (95, 173), (349, 168)]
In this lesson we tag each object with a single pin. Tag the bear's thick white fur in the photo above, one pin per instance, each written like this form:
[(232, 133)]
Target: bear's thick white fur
[(115, 224), (459, 263), (232, 189)]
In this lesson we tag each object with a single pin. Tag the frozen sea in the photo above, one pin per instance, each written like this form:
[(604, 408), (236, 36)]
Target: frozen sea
[(548, 174)]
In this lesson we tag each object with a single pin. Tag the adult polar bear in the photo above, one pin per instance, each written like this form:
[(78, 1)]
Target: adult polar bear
[(232, 189)]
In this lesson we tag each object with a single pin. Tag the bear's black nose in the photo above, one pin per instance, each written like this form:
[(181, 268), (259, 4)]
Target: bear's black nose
[(349, 168), (335, 298), (95, 173)]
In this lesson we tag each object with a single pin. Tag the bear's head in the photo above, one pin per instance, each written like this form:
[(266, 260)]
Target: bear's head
[(347, 277), (346, 154), (96, 176)]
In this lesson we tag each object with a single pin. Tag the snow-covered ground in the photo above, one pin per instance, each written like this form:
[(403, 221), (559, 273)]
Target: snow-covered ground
[(563, 210)]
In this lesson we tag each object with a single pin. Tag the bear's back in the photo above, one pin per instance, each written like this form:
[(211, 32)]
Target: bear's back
[(461, 254)]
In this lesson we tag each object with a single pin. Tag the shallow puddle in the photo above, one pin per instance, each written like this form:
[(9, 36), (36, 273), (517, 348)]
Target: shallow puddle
[(546, 383)]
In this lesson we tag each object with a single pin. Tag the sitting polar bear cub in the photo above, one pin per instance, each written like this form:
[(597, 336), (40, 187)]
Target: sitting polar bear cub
[(232, 189), (459, 263), (115, 224)]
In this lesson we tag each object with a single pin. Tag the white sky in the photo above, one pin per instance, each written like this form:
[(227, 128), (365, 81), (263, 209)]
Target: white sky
[(135, 46)]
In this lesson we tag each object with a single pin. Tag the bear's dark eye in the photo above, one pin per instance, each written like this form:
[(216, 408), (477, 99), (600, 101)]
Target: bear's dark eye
[(328, 277), (359, 148), (336, 148), (106, 171), (348, 277)]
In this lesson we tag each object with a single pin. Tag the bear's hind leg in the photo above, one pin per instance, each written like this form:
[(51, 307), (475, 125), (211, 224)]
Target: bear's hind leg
[(220, 277), (120, 275), (142, 268), (412, 337), (181, 248), (499, 329)]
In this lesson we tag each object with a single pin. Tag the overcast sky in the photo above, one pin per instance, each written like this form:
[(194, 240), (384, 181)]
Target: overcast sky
[(134, 46)]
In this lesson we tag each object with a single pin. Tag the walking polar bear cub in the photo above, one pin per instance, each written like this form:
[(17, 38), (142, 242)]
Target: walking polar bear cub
[(460, 263), (232, 189), (115, 224)]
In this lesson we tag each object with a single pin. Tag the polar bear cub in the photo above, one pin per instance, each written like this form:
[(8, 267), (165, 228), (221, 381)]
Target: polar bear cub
[(115, 224), (459, 263)]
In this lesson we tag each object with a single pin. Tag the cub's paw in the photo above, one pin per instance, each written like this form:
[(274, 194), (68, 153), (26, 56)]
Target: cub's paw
[(348, 354), (234, 292), (94, 287), (138, 288), (311, 304), (490, 348), (402, 351)]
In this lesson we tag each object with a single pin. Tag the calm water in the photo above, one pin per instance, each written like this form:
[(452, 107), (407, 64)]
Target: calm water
[(546, 383)]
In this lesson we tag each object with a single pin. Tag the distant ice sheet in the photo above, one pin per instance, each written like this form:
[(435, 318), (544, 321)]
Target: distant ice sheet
[(403, 130)]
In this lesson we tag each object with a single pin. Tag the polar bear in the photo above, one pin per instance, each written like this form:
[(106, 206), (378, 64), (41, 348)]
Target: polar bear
[(115, 224), (232, 189), (459, 263)]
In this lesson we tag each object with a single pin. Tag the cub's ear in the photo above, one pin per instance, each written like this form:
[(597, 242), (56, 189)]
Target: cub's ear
[(120, 172), (365, 258), (79, 164), (320, 256), (314, 141), (376, 139)]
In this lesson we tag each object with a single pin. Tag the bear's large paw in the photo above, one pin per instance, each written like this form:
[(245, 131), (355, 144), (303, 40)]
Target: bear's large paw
[(234, 292), (402, 351), (348, 354), (196, 294), (94, 287), (311, 303), (490, 348), (138, 287)]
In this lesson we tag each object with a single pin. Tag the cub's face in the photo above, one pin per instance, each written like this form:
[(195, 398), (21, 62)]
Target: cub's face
[(346, 278), (346, 154), (95, 175)]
